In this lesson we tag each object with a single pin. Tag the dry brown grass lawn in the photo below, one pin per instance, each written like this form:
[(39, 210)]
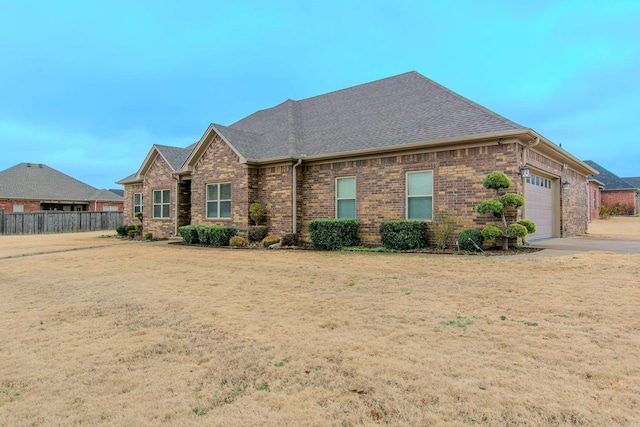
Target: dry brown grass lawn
[(146, 335)]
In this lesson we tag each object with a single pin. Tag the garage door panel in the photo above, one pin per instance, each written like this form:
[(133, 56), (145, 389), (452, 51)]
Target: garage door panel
[(539, 206)]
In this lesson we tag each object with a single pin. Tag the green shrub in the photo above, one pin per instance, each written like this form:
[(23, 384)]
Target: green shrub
[(290, 240), (334, 234), (218, 235), (517, 230), (189, 234), (148, 236), (605, 212), (257, 233), (492, 206), (621, 210), (512, 199), (491, 232), (464, 244), (529, 225), (121, 230), (132, 233), (203, 234), (238, 242), (403, 235), (496, 180), (257, 212), (270, 240)]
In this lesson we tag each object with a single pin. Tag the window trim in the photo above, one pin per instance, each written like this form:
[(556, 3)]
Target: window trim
[(407, 196), (161, 204), (141, 205), (354, 198), (218, 200)]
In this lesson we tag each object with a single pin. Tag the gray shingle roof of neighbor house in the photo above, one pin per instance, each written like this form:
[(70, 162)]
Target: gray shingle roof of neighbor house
[(34, 181), (633, 180), (610, 180), (395, 112)]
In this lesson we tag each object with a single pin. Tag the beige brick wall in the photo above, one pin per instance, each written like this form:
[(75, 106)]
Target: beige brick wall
[(219, 164), (380, 186), (158, 177), (129, 191)]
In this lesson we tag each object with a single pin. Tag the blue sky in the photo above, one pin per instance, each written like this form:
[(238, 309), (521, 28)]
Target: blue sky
[(88, 87)]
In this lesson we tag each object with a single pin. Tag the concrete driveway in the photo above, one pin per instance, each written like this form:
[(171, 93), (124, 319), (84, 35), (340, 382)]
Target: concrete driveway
[(571, 245)]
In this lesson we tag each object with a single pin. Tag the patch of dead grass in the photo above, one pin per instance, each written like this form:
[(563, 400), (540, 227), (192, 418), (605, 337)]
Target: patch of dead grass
[(163, 335)]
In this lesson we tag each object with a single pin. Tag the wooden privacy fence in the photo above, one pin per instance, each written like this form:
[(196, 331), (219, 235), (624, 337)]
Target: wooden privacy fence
[(58, 222)]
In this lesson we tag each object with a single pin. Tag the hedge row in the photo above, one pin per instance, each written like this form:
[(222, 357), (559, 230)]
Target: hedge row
[(334, 234), (215, 235), (404, 235)]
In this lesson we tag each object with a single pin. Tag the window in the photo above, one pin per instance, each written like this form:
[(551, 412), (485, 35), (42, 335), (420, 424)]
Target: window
[(161, 202), (420, 195), (346, 198), (219, 200), (109, 208), (137, 203), (18, 208)]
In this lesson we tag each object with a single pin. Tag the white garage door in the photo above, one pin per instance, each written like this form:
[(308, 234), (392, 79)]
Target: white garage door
[(539, 206)]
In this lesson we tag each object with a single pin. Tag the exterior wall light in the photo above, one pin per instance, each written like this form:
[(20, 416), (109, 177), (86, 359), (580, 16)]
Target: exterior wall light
[(525, 171), (566, 185)]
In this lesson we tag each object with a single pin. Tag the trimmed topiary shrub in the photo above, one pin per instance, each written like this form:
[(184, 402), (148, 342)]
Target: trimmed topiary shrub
[(203, 234), (491, 232), (123, 230), (404, 235), (270, 240), (464, 244), (238, 242), (334, 234), (257, 233), (529, 225), (517, 230), (148, 236), (189, 234), (257, 213)]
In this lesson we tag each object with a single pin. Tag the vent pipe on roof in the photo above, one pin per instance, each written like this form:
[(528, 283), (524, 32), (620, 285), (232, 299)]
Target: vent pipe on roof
[(28, 165)]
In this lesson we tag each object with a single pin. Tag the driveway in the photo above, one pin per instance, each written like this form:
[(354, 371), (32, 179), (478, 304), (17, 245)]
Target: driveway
[(571, 245)]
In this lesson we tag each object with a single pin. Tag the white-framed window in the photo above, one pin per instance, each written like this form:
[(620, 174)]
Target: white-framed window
[(18, 208), (109, 208), (137, 203), (346, 197), (419, 187), (219, 200), (161, 203)]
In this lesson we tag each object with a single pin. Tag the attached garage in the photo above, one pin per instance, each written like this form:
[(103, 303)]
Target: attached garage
[(539, 205)]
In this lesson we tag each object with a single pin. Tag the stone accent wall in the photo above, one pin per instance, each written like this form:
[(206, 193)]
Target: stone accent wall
[(220, 164), (28, 205), (158, 177), (380, 186), (129, 191)]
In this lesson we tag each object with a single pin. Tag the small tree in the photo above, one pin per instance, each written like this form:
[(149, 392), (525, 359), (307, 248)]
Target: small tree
[(257, 213), (500, 182)]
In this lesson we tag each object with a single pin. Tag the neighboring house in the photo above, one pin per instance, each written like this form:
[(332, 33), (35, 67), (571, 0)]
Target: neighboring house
[(403, 147), (624, 192), (30, 187), (594, 197)]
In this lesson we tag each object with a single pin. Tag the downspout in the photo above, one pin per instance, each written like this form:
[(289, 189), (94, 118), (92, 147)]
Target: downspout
[(524, 162), (294, 198)]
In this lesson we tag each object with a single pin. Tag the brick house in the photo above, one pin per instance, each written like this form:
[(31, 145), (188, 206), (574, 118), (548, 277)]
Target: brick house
[(32, 187), (403, 147), (624, 192)]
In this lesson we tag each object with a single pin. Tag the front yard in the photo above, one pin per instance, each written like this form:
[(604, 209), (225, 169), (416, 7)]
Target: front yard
[(149, 334)]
